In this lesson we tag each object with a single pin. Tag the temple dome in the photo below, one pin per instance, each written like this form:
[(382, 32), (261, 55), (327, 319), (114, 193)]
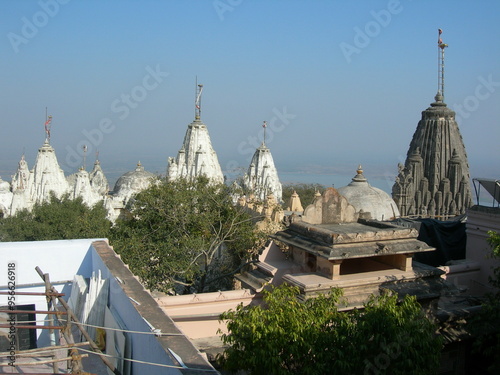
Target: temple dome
[(4, 186), (370, 199), (133, 182)]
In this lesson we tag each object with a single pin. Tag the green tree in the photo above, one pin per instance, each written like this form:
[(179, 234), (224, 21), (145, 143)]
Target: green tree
[(314, 337), (306, 193), (179, 230), (56, 219), (484, 326)]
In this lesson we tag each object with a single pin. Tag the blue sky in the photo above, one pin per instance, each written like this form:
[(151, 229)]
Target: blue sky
[(343, 82)]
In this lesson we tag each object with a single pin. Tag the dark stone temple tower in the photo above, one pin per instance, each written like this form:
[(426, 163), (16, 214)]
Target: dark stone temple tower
[(435, 181)]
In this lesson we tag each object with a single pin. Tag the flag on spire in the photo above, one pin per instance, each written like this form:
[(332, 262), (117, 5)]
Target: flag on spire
[(47, 126), (198, 97), (440, 40)]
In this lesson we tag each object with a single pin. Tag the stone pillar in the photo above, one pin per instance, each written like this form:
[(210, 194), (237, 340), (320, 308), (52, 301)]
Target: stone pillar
[(330, 268)]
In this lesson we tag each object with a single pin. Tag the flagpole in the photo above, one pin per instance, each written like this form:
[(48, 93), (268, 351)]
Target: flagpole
[(84, 157), (264, 125)]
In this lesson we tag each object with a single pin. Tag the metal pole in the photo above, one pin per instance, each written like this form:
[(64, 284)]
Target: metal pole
[(85, 334)]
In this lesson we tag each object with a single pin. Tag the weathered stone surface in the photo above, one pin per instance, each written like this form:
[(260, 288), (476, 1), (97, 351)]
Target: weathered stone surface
[(5, 197), (131, 183), (331, 207), (98, 180), (295, 205), (46, 175), (368, 199), (80, 186), (196, 156), (435, 179), (262, 177)]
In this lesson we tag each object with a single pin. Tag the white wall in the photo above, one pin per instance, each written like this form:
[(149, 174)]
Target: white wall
[(60, 259)]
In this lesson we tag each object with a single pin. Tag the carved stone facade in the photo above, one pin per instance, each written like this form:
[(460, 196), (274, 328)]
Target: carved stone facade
[(435, 179), (196, 156), (262, 177), (330, 207), (269, 209), (33, 186), (331, 246)]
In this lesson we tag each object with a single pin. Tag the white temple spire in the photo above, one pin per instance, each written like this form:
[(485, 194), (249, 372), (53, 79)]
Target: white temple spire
[(196, 156)]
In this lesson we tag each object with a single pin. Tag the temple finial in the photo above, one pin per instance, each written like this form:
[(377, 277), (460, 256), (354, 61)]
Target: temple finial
[(197, 104), (441, 47), (360, 169), (85, 157), (264, 125), (48, 120)]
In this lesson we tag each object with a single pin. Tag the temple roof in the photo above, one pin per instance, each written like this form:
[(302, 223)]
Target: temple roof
[(196, 156), (352, 240), (133, 182), (262, 176), (370, 199)]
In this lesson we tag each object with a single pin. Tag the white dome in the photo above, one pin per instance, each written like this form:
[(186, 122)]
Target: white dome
[(133, 182), (370, 199), (4, 186)]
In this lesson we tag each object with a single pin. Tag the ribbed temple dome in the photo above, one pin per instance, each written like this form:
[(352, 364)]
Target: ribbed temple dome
[(133, 181), (363, 196)]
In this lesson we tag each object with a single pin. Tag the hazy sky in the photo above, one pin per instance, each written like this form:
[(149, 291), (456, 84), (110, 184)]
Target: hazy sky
[(339, 82)]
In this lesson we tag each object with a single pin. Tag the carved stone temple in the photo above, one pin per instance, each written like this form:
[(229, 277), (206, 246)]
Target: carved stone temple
[(262, 177), (196, 156), (435, 180), (330, 245)]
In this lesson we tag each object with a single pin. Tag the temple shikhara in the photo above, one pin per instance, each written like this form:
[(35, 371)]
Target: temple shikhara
[(435, 180), (196, 156), (262, 176)]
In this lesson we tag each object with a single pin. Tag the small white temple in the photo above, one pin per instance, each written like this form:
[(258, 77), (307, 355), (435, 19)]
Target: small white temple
[(126, 188), (35, 186), (262, 177), (196, 156)]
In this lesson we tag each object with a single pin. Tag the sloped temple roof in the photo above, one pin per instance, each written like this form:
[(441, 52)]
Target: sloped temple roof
[(352, 240)]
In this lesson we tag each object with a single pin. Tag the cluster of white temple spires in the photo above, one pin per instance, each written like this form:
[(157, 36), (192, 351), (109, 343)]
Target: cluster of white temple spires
[(434, 181)]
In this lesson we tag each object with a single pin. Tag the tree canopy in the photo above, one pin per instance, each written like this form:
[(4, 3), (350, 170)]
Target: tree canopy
[(306, 192), (314, 337), (178, 231), (56, 219)]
